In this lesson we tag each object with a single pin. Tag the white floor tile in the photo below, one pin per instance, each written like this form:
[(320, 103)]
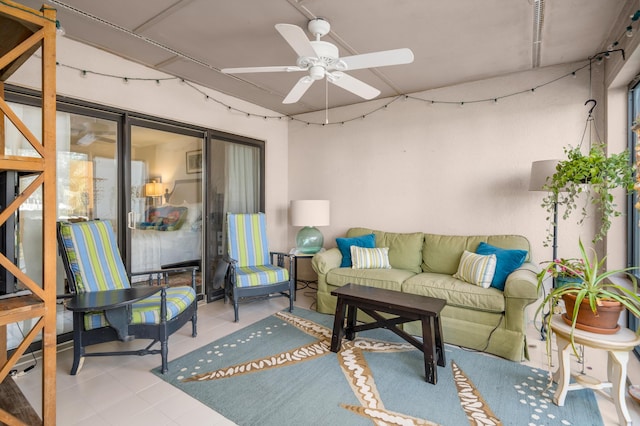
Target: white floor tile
[(123, 391)]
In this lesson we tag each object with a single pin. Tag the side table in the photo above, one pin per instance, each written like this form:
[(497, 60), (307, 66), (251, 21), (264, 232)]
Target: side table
[(617, 345), (295, 255)]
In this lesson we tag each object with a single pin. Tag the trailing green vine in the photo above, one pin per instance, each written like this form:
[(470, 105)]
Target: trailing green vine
[(594, 174)]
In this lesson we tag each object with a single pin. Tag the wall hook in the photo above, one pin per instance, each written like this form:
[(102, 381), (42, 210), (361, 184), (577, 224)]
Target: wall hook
[(593, 106)]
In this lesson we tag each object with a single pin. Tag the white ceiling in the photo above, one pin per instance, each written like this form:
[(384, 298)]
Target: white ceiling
[(453, 41)]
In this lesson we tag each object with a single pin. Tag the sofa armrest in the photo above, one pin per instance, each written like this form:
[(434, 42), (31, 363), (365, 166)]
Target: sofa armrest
[(520, 290), (523, 282), (327, 260)]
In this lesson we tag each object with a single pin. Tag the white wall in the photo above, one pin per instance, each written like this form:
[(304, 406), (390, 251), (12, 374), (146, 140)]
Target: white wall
[(413, 166), (174, 101), (442, 168)]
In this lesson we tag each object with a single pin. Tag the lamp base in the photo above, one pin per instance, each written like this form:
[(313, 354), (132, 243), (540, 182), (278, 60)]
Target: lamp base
[(309, 240)]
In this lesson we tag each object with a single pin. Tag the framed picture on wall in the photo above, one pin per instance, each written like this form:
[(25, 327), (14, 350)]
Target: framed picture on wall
[(194, 161)]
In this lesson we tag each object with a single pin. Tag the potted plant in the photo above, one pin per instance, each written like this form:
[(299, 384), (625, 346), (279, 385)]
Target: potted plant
[(593, 290), (594, 174)]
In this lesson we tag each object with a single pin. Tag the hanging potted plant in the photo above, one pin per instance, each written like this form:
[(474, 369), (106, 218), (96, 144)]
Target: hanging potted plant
[(592, 296), (593, 174)]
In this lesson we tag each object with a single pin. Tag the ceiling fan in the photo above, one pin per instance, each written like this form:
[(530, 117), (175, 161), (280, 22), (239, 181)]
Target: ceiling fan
[(320, 59)]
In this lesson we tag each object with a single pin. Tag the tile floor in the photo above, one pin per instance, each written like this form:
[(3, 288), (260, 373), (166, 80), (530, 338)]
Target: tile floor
[(122, 391)]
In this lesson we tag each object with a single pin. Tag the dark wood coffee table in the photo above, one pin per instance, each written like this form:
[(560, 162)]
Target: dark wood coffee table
[(407, 307)]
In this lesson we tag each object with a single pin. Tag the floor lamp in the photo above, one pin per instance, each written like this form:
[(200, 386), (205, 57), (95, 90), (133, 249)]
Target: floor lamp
[(540, 172)]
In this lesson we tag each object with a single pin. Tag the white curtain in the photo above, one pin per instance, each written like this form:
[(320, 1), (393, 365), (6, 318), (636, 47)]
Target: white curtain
[(242, 182), (242, 179)]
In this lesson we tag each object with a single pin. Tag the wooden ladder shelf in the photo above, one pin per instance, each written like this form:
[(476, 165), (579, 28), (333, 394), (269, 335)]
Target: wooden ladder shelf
[(22, 32)]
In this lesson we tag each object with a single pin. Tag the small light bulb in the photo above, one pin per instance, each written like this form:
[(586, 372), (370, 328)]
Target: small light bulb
[(125, 80), (157, 82), (59, 29), (83, 73), (629, 32)]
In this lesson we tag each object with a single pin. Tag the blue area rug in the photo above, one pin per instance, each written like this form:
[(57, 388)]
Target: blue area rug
[(280, 371)]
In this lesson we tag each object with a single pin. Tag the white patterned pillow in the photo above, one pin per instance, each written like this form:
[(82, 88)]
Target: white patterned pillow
[(370, 258), (476, 269)]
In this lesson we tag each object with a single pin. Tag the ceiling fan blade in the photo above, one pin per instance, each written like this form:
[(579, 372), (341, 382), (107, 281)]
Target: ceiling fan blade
[(378, 59), (241, 70), (297, 39), (353, 85), (298, 90)]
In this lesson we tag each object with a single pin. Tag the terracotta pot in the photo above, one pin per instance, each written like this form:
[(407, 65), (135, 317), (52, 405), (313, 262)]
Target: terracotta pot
[(604, 322)]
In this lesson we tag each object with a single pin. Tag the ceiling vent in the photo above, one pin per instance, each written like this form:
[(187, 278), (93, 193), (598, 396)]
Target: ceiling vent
[(538, 22)]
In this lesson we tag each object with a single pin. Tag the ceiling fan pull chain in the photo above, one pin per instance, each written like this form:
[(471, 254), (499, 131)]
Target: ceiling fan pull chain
[(326, 101)]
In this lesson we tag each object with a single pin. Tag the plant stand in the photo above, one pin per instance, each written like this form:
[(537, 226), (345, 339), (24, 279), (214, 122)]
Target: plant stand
[(617, 345)]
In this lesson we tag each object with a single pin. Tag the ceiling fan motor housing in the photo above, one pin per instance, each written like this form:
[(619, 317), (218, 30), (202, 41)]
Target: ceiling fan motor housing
[(327, 52)]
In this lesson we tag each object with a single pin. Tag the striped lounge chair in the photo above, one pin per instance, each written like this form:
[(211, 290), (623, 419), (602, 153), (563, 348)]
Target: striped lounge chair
[(251, 268), (93, 264)]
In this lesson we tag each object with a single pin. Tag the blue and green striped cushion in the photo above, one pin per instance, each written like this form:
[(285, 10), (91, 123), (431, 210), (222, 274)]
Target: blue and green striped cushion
[(147, 311), (247, 235), (249, 276), (93, 256)]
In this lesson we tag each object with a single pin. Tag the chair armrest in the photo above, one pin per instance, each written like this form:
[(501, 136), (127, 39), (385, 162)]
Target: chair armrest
[(166, 270), (158, 275), (325, 261), (279, 255)]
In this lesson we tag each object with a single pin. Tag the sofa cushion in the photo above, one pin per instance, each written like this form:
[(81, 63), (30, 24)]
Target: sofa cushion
[(441, 253), (507, 262), (476, 269), (390, 279), (370, 258), (405, 250), (344, 245), (455, 292)]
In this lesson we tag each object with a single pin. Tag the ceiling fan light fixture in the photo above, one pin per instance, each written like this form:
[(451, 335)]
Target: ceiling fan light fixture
[(317, 72)]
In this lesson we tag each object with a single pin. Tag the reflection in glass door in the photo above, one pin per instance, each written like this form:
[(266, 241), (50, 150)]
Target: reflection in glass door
[(165, 217), (86, 189), (234, 184)]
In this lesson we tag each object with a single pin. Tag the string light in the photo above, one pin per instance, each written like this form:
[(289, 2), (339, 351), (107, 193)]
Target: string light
[(492, 100), (629, 32)]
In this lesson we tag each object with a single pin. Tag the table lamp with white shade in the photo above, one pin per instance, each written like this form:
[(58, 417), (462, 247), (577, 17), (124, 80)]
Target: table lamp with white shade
[(309, 214)]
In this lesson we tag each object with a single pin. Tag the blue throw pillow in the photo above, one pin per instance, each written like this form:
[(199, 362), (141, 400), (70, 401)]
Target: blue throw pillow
[(344, 245), (508, 261)]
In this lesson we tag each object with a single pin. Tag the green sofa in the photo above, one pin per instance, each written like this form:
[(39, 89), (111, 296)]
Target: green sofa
[(483, 319)]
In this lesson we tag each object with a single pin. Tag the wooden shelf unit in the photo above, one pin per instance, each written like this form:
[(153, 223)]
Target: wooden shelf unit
[(22, 32)]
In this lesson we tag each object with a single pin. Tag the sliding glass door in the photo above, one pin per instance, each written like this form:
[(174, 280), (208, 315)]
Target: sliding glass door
[(165, 194)]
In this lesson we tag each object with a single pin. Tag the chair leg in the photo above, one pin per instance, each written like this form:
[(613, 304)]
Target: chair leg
[(78, 350), (194, 328), (164, 352), (291, 296), (235, 306)]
